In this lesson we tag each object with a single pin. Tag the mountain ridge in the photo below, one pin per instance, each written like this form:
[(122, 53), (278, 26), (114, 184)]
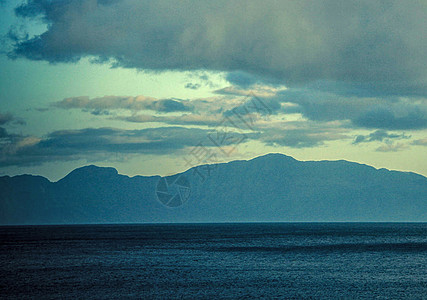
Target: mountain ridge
[(90, 166), (272, 187)]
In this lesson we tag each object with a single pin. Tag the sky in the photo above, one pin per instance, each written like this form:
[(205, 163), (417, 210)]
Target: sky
[(156, 87)]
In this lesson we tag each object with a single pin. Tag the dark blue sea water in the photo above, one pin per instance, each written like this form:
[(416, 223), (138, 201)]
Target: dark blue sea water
[(211, 261)]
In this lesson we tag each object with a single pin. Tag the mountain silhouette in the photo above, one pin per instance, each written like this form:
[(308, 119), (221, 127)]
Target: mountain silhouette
[(269, 188)]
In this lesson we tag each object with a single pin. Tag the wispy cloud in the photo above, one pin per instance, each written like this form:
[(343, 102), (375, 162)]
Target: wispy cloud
[(420, 142), (392, 147), (186, 119), (302, 136), (106, 103), (379, 136)]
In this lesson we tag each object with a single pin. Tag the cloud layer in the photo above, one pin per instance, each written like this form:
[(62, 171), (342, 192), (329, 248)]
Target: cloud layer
[(373, 47), (391, 113), (99, 143), (293, 117)]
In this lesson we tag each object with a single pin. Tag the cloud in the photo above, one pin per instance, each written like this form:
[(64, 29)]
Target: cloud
[(257, 91), (420, 142), (297, 134), (200, 78), (8, 118), (413, 117), (10, 144), (3, 133), (241, 78), (391, 113), (135, 141), (186, 119), (374, 46), (323, 106), (256, 119), (98, 143), (5, 118), (248, 80), (211, 111), (300, 138), (379, 136), (392, 147), (99, 106), (199, 111), (255, 106), (192, 86), (386, 138)]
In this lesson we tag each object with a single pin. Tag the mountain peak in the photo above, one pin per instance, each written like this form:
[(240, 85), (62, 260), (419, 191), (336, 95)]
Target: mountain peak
[(90, 171), (274, 158), (275, 155)]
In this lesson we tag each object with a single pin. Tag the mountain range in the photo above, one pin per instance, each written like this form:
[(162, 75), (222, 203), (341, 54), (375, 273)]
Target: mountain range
[(269, 188)]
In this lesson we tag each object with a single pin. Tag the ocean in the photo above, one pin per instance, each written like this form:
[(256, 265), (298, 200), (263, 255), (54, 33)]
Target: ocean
[(215, 261)]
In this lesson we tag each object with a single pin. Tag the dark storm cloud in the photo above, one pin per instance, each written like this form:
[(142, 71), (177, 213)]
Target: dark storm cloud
[(371, 47), (95, 143)]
